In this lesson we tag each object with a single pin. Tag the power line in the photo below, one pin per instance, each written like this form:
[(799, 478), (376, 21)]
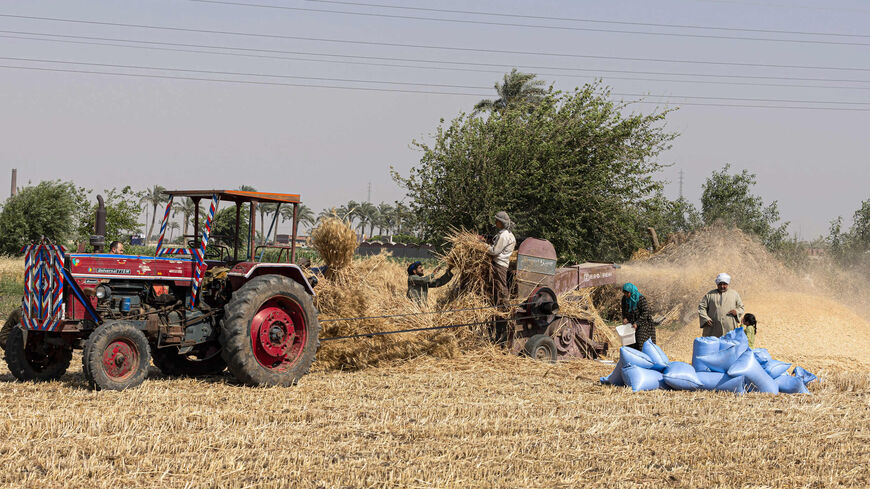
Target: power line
[(466, 69), (236, 73), (140, 67), (243, 82), (532, 26), (392, 58), (311, 85), (423, 46), (591, 21)]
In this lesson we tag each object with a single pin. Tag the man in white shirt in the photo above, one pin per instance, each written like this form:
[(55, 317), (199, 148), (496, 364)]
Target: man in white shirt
[(502, 247)]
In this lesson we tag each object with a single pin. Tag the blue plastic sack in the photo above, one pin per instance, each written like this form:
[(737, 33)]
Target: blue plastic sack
[(703, 346), (757, 379), (656, 354), (735, 337), (709, 380), (642, 379), (732, 384), (722, 359), (762, 355), (631, 357), (615, 377), (776, 368), (791, 385), (681, 376), (805, 376)]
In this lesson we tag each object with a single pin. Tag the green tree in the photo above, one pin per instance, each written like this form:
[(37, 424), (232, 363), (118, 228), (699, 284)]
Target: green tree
[(729, 199), (517, 87), (122, 215), (575, 168), (386, 218), (853, 245), (173, 227), (224, 229), (154, 197), (304, 215), (49, 209), (186, 207)]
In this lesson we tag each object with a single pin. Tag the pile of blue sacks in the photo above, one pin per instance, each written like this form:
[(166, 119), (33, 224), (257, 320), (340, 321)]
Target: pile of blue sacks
[(718, 364)]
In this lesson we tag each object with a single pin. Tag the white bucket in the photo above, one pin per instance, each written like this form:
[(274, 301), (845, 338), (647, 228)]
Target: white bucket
[(626, 333)]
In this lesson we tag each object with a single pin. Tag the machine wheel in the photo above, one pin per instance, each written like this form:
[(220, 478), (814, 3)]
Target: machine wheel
[(541, 347), (270, 332), (204, 359), (14, 319), (116, 357), (39, 360)]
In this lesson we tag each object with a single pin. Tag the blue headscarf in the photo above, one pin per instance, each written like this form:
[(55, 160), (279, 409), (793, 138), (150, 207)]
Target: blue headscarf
[(633, 295), (413, 267)]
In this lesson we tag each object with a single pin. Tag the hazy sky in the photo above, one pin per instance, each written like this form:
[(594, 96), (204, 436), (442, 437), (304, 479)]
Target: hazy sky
[(328, 144)]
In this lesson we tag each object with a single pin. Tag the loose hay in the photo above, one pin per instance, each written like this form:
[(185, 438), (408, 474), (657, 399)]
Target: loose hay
[(486, 420), (376, 286)]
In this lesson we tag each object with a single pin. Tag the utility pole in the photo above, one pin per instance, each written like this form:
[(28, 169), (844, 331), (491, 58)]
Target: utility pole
[(681, 184), (14, 182)]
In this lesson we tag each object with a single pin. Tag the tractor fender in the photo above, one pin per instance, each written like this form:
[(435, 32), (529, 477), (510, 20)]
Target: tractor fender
[(242, 273)]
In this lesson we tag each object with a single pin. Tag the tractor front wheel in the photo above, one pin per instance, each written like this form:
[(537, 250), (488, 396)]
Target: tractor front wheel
[(204, 359), (44, 356), (116, 357), (269, 332)]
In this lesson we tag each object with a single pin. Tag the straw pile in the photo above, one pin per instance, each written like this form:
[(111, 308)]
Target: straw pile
[(468, 258), (376, 286), (431, 423)]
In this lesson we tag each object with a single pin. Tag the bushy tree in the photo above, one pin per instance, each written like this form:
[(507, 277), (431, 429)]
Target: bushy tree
[(851, 246), (122, 214), (49, 209), (575, 168), (729, 199)]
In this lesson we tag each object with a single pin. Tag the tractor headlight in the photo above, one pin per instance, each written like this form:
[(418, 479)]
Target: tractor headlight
[(103, 292)]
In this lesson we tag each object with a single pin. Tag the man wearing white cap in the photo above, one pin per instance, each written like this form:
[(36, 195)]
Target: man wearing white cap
[(721, 308)]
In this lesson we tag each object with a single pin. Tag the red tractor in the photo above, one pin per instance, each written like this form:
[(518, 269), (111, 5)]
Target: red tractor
[(194, 310)]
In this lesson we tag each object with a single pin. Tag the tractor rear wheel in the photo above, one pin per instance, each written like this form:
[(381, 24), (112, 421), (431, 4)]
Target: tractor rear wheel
[(204, 359), (116, 357), (270, 332), (12, 320), (43, 357), (541, 347)]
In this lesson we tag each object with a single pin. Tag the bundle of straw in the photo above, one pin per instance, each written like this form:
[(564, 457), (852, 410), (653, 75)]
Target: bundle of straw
[(470, 263), (336, 242)]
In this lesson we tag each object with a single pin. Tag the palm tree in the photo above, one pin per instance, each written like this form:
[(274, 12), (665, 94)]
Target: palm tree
[(517, 87), (266, 209), (154, 197), (186, 208), (304, 215), (173, 226), (385, 217), (366, 212)]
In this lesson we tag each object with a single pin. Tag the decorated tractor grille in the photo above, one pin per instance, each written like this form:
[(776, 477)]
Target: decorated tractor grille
[(42, 305)]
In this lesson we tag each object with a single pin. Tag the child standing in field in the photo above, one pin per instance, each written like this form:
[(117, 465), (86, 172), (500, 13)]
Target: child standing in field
[(749, 323)]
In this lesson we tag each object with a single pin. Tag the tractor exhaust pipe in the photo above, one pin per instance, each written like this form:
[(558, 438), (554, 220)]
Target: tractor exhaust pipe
[(98, 239)]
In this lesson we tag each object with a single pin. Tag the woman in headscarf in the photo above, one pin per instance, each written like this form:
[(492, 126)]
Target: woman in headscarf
[(635, 310)]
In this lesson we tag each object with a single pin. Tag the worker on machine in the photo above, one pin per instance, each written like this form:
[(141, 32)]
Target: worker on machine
[(500, 253), (116, 248), (721, 308), (419, 283)]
